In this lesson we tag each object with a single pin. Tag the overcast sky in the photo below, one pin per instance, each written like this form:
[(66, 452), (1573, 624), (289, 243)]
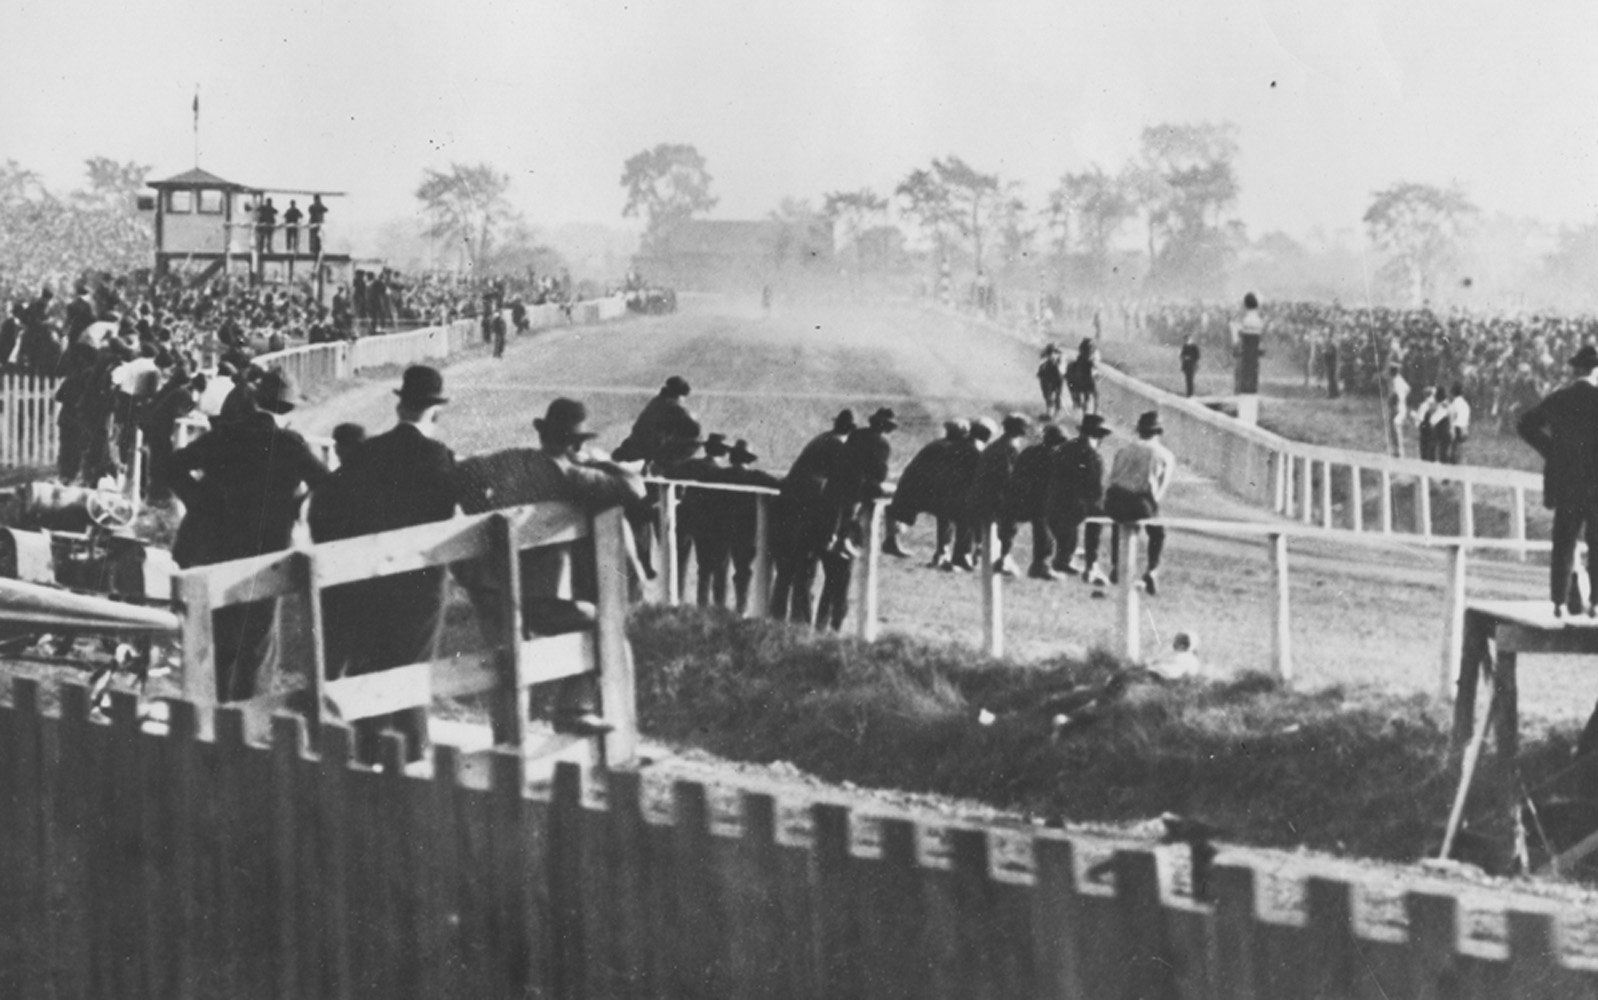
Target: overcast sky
[(1332, 99)]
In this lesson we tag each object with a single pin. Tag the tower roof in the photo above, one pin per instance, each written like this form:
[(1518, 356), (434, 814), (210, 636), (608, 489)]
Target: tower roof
[(199, 178)]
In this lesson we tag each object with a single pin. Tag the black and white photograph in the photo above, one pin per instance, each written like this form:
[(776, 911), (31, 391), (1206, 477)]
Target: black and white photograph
[(837, 500)]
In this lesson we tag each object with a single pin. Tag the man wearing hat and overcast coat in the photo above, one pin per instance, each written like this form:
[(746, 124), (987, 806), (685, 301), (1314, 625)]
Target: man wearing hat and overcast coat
[(1075, 492), (738, 514), (804, 522), (664, 420), (398, 479), (1564, 430), (1027, 500), (988, 501), (241, 483), (559, 582), (934, 483), (861, 471)]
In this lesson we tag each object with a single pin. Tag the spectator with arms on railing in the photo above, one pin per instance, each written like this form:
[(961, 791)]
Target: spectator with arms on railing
[(804, 528), (934, 483), (856, 484), (1076, 493), (560, 470)]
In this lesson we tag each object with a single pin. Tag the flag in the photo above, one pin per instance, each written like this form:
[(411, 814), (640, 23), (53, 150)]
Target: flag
[(196, 110)]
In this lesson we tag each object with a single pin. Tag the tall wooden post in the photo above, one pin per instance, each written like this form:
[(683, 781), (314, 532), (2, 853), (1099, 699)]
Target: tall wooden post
[(1131, 633), (1326, 493), (1454, 624), (1356, 496), (1423, 504), (1281, 611), (618, 690), (1385, 506), (668, 543), (760, 571), (866, 601), (992, 593)]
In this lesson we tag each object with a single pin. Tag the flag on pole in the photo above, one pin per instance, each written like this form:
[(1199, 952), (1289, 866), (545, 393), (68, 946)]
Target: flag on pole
[(196, 109)]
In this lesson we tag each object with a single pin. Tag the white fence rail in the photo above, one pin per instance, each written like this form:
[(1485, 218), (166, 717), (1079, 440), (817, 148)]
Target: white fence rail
[(28, 432)]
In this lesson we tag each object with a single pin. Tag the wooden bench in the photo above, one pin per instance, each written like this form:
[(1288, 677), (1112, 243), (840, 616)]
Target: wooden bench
[(504, 671)]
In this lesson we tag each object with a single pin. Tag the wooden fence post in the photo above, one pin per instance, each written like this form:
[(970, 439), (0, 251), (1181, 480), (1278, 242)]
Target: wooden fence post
[(1278, 482), (866, 600), (1281, 615), (668, 542), (1467, 510), (1131, 635), (1454, 624), (992, 593), (1356, 496), (1423, 504), (1326, 493), (760, 571), (1517, 520), (1385, 506), (1307, 491), (618, 689)]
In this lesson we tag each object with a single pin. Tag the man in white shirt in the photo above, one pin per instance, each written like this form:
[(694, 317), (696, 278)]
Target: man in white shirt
[(1458, 421), (1397, 406), (1138, 480)]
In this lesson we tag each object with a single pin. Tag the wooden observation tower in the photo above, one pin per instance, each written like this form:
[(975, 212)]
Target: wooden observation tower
[(205, 225)]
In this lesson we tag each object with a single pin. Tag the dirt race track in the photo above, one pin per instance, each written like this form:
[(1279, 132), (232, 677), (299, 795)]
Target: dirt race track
[(1360, 614)]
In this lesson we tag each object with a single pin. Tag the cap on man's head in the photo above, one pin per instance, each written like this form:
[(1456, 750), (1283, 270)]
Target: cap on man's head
[(983, 429), (1053, 433), (844, 421), (716, 445), (348, 435), (274, 392), (1093, 425), (883, 420), (565, 421), (1148, 424), (676, 386), (1015, 423), (421, 386), (956, 430), (740, 453)]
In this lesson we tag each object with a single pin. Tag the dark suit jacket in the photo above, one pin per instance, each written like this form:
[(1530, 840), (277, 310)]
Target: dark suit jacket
[(399, 479), (1564, 430)]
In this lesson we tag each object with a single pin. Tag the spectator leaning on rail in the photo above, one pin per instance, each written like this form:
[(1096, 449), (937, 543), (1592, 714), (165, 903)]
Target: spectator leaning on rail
[(1564, 430), (1139, 477), (861, 470), (740, 517), (1076, 493), (559, 584), (1027, 500), (934, 483), (805, 524), (988, 501)]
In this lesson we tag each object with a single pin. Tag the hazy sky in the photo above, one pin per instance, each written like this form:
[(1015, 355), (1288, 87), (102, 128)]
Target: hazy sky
[(1332, 99)]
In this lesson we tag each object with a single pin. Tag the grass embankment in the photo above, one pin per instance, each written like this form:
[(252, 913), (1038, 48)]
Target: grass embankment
[(1351, 771)]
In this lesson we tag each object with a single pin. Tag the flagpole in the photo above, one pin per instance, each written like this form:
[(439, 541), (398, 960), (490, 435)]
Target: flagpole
[(196, 126)]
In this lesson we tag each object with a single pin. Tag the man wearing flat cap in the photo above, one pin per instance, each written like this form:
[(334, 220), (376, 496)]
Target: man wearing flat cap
[(398, 479), (559, 584), (1139, 477), (805, 523), (862, 469), (1564, 430), (241, 483)]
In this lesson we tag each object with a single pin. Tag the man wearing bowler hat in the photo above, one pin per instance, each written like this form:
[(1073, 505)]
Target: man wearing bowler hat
[(559, 584), (1138, 480), (861, 471), (398, 479), (1075, 492), (740, 518), (805, 524), (1564, 430), (241, 484)]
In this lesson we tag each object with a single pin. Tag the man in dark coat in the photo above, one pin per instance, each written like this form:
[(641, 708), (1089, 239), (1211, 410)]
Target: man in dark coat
[(159, 420), (983, 431), (933, 484), (1051, 379), (665, 417), (988, 500), (1027, 500), (79, 368), (803, 526), (857, 484), (697, 534), (398, 479), (242, 483), (1075, 493), (1564, 430), (1190, 362), (80, 314), (739, 516)]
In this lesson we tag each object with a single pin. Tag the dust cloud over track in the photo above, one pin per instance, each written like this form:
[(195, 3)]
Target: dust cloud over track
[(1359, 615)]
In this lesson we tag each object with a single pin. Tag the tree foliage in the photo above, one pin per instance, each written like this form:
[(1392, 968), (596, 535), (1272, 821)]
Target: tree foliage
[(665, 186), (465, 206), (801, 237), (44, 237), (1419, 226), (1095, 206), (1185, 182)]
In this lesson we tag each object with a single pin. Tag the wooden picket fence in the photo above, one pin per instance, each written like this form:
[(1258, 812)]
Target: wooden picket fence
[(28, 433), (142, 865)]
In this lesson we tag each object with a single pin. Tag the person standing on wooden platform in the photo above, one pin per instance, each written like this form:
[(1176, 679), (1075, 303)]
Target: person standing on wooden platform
[(1564, 430)]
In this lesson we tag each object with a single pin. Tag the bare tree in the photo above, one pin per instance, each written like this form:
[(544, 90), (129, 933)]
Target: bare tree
[(465, 206), (1420, 227), (666, 186)]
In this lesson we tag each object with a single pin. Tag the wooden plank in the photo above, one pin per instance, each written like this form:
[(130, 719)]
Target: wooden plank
[(992, 585), (330, 925), (867, 624), (403, 856), (1306, 490), (1356, 497), (1281, 610), (893, 918), (522, 851), (1467, 510), (837, 932), (366, 695), (702, 971), (437, 543), (193, 602), (1150, 966), (1423, 504), (668, 544), (568, 963), (975, 900), (1130, 623), (543, 524), (1384, 506), (597, 886), (1055, 919), (456, 973), (508, 703), (1433, 945), (1453, 622), (308, 649), (288, 750), (242, 580), (1330, 905), (1326, 494), (760, 570), (626, 848), (1535, 969), (77, 913), (618, 689), (28, 860), (550, 658)]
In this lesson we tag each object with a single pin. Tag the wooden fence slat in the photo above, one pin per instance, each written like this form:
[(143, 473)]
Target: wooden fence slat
[(974, 897), (1535, 969), (28, 860), (288, 749), (521, 840), (626, 848), (71, 846), (1330, 905), (837, 936), (330, 925), (613, 653), (703, 932), (598, 893), (1433, 945), (893, 921), (462, 969), (1149, 968), (1056, 917), (568, 962), (400, 863)]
